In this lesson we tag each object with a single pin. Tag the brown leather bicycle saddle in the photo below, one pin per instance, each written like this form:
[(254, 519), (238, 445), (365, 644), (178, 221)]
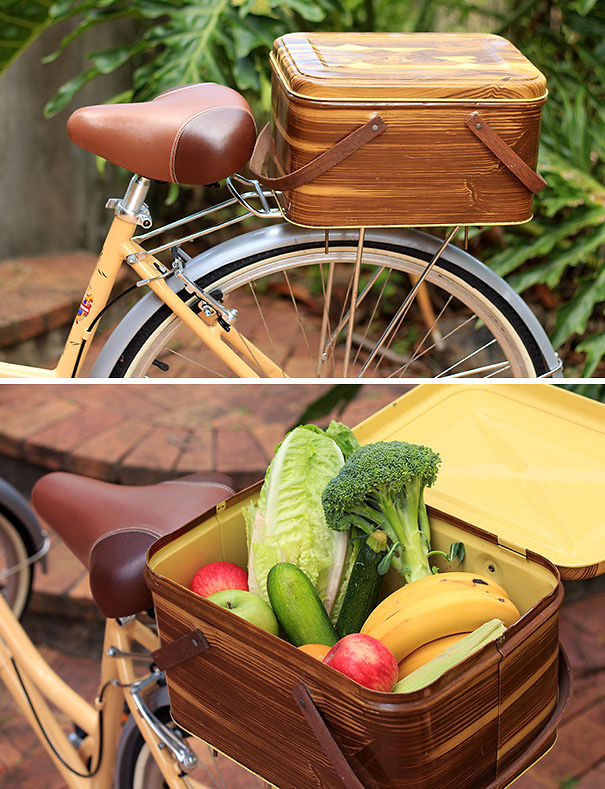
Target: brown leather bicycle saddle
[(110, 527), (194, 134)]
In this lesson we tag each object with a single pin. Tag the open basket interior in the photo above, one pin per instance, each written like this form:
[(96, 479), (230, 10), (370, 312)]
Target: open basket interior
[(221, 535)]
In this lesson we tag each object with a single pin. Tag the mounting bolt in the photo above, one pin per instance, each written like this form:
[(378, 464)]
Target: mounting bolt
[(477, 126), (374, 127)]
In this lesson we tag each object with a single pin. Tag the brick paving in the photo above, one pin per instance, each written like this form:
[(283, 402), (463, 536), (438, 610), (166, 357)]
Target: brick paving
[(39, 297)]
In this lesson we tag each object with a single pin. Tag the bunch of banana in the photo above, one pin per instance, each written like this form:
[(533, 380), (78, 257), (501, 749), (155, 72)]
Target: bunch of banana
[(435, 607)]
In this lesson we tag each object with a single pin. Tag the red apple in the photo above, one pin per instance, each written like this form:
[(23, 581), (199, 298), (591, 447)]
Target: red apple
[(366, 660), (218, 577)]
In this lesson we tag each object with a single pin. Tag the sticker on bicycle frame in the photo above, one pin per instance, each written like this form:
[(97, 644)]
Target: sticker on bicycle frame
[(84, 308)]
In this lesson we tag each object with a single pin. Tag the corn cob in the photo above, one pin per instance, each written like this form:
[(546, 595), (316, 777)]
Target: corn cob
[(453, 655)]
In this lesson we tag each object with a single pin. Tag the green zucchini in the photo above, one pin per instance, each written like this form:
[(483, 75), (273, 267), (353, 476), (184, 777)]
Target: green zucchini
[(361, 597), (298, 607)]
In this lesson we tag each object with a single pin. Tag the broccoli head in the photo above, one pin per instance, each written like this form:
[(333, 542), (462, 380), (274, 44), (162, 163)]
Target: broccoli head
[(382, 486)]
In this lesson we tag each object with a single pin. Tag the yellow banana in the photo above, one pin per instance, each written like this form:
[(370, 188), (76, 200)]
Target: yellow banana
[(425, 653), (411, 594), (438, 615)]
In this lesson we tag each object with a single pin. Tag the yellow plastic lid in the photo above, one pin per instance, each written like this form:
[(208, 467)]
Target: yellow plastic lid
[(525, 462)]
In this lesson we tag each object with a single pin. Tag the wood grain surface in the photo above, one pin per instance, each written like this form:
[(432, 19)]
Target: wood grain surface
[(463, 731), (427, 168), (406, 67)]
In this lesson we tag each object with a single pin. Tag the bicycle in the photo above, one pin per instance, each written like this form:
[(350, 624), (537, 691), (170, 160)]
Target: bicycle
[(126, 738), (361, 302)]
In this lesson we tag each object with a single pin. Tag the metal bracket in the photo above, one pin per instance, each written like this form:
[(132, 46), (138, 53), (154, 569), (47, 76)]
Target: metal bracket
[(30, 559), (266, 210), (119, 653), (210, 305), (141, 217), (551, 373), (168, 739)]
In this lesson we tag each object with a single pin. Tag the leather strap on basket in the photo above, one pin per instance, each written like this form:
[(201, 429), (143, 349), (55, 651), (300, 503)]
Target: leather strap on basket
[(317, 166), (180, 650), (528, 177), (324, 737)]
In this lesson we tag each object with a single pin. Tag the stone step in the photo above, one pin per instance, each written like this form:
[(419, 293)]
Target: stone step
[(39, 298)]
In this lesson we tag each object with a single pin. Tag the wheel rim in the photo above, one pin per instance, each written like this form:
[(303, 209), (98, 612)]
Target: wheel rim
[(15, 587), (213, 772), (463, 334)]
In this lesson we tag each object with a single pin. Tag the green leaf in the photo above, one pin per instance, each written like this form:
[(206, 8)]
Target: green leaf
[(583, 7), (308, 11), (336, 397), (552, 269), (510, 259), (67, 91), (245, 74), (244, 40), (21, 24), (88, 23), (594, 348), (571, 318), (109, 60)]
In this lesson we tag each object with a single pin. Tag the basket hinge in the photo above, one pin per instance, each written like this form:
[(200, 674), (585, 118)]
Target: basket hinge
[(510, 546)]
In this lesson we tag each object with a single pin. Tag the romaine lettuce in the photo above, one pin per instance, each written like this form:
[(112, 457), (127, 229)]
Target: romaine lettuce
[(288, 524)]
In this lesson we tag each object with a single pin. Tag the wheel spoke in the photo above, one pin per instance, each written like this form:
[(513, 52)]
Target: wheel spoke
[(298, 316), (264, 322), (352, 308), (195, 362), (325, 318), (374, 311), (363, 298), (466, 358)]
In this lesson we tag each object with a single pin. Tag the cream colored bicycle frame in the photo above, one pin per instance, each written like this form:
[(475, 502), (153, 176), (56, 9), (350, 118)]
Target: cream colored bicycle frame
[(231, 347), (43, 683)]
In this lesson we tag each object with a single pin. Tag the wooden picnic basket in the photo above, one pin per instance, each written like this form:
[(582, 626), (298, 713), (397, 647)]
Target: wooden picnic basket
[(391, 129), (301, 725)]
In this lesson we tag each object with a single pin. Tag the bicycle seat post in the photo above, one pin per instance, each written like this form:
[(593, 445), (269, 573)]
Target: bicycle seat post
[(132, 208)]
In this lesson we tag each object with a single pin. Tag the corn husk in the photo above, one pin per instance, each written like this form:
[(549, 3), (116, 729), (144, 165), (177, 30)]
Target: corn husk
[(453, 655)]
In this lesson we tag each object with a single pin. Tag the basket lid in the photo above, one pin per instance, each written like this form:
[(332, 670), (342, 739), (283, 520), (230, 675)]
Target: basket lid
[(436, 67), (525, 462)]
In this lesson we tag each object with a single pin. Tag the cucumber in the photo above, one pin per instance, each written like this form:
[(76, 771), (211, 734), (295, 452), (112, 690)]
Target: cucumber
[(361, 597), (298, 607)]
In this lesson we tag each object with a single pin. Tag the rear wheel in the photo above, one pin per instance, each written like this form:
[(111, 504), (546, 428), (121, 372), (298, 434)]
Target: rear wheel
[(295, 304), (138, 769), (15, 575)]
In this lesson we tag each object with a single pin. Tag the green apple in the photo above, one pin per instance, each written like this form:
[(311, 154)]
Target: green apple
[(249, 606)]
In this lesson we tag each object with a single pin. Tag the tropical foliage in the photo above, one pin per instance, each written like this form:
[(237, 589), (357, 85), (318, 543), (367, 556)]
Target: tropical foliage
[(556, 259)]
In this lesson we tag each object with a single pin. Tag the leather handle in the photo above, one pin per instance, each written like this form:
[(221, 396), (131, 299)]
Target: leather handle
[(317, 166), (483, 131), (324, 737), (176, 652), (535, 750)]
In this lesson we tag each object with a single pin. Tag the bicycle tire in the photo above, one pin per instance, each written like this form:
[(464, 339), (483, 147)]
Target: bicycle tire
[(137, 769), (471, 286), (14, 548)]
